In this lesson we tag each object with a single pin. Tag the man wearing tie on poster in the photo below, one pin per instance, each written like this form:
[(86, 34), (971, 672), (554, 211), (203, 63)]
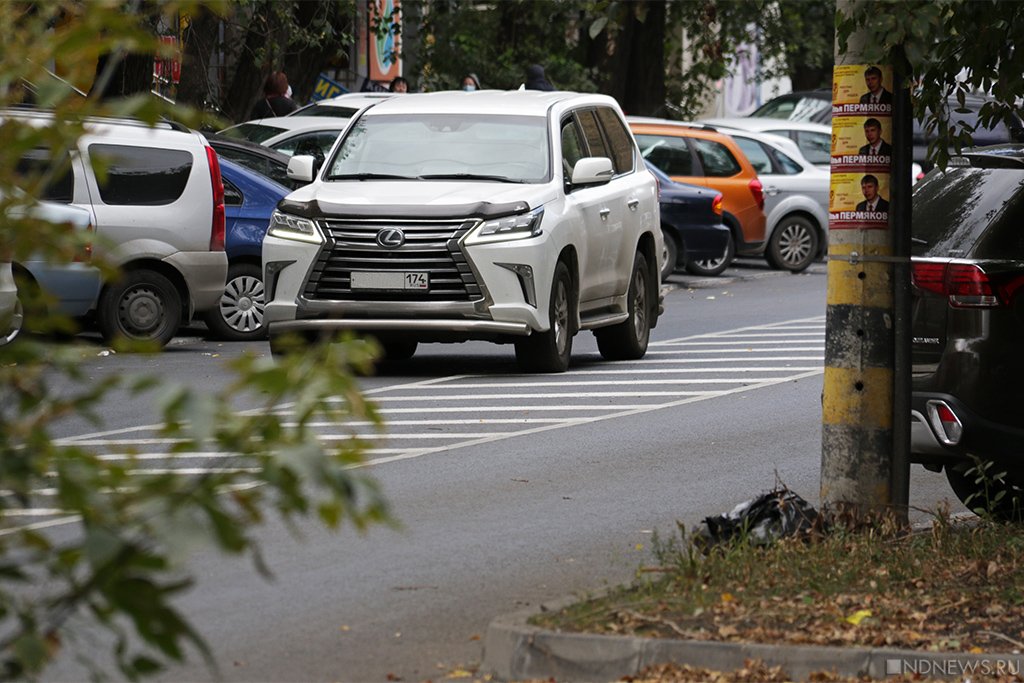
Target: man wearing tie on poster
[(872, 200), (876, 94), (876, 145)]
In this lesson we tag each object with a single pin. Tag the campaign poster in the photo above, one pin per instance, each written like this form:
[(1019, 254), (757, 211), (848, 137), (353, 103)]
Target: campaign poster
[(861, 142), (383, 45), (861, 147), (859, 200)]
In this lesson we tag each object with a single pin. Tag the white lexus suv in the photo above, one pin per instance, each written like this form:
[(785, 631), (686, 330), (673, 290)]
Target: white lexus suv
[(516, 217)]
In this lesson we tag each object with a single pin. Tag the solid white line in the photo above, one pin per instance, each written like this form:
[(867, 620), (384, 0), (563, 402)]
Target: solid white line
[(745, 359), (769, 326), (665, 371), (41, 525), (689, 351), (730, 342), (589, 394), (596, 383)]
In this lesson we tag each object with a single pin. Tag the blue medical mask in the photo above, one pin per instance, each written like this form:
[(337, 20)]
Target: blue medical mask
[(469, 87)]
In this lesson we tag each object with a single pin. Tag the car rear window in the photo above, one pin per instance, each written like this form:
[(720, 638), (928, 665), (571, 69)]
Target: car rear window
[(716, 158), (670, 154), (969, 212), (255, 132), (756, 155), (142, 176)]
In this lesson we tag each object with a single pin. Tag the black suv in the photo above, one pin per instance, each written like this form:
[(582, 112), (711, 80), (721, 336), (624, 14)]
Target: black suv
[(968, 326)]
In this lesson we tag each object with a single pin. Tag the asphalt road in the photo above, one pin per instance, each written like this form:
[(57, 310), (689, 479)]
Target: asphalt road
[(513, 489)]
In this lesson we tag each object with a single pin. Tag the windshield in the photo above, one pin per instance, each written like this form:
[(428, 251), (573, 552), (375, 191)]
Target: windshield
[(445, 146)]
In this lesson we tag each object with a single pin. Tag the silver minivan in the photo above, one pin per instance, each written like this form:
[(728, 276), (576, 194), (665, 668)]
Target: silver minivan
[(155, 198)]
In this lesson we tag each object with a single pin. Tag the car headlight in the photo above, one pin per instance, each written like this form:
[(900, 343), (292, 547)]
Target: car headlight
[(290, 227), (520, 226)]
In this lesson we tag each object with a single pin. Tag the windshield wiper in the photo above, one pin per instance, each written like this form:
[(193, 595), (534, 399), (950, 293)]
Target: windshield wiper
[(918, 240), (369, 176), (470, 176)]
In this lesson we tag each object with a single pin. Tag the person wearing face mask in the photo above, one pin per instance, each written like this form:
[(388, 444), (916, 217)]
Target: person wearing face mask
[(470, 83)]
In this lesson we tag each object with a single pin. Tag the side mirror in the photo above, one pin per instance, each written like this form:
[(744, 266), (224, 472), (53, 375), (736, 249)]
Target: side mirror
[(302, 168), (592, 171)]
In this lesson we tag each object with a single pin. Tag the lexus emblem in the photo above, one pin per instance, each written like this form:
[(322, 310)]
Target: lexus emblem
[(391, 238)]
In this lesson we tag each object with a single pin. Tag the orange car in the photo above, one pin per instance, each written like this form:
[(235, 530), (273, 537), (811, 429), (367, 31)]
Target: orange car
[(700, 155)]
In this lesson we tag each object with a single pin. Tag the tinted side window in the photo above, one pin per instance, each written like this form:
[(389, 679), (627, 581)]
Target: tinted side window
[(756, 154), (572, 147), (671, 154), (60, 186), (141, 176), (232, 195), (592, 132), (622, 146), (309, 143), (788, 166), (716, 158)]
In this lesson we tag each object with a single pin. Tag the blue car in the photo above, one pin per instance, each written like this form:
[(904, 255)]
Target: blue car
[(691, 223), (249, 199)]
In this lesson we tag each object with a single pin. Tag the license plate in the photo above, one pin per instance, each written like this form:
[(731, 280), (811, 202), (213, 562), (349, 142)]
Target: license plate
[(414, 280)]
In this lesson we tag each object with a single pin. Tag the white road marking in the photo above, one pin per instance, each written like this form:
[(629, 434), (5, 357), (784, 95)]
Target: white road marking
[(774, 343)]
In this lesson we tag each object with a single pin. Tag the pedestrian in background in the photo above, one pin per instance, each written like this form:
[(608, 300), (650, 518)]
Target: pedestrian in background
[(275, 100), (399, 85), (470, 82), (535, 78)]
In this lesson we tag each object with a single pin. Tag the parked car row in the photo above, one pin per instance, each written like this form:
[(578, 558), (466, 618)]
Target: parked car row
[(184, 227), (775, 200)]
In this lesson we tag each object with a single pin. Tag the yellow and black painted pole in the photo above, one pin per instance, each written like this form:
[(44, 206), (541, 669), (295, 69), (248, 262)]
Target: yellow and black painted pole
[(858, 398)]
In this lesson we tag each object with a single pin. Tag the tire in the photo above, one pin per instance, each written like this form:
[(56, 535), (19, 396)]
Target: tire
[(550, 351), (142, 306), (628, 340), (793, 244), (975, 494), (13, 325), (669, 253), (239, 316), (712, 267), (398, 350)]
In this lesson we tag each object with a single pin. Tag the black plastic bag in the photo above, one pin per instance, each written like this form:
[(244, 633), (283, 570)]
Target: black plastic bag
[(762, 520)]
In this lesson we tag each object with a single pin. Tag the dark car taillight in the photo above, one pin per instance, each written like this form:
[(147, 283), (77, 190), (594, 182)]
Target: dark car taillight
[(757, 190), (966, 284), (716, 205), (217, 227)]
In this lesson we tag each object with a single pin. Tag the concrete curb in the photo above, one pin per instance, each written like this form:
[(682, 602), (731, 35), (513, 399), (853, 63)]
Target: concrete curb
[(515, 650)]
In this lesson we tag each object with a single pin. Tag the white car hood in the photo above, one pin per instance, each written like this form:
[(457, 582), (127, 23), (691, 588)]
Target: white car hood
[(343, 196)]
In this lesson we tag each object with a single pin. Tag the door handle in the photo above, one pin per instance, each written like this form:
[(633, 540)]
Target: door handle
[(604, 213), (771, 191), (633, 203)]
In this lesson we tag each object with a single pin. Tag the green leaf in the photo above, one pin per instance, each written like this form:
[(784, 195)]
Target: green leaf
[(597, 26)]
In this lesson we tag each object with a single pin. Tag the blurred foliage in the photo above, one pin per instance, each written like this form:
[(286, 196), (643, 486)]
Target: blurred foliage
[(578, 43), (947, 49), (120, 557)]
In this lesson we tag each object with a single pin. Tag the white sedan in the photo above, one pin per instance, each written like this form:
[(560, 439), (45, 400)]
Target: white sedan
[(795, 199)]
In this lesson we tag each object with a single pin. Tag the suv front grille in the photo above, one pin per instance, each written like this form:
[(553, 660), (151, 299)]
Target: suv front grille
[(431, 247)]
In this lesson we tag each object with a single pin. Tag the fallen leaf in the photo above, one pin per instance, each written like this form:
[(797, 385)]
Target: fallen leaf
[(858, 616), (727, 597), (727, 631), (459, 673)]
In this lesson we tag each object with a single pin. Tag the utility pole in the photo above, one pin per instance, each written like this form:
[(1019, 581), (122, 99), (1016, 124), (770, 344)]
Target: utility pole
[(864, 453)]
